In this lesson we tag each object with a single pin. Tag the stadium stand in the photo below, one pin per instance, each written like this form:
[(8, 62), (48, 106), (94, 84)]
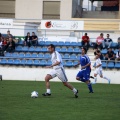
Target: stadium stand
[(39, 56)]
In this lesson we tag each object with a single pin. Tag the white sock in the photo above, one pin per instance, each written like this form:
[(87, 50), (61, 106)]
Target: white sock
[(74, 90), (95, 78), (105, 78), (48, 91)]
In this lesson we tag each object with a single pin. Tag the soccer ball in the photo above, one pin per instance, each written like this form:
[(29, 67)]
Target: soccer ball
[(34, 94)]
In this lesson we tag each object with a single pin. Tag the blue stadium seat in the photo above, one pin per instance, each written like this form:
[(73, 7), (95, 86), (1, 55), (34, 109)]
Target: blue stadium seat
[(54, 43), (60, 43), (20, 42), (110, 65), (10, 62), (42, 62), (34, 55), (64, 49), (66, 56), (23, 61), (48, 43), (114, 45), (3, 61), (67, 44), (78, 57), (47, 56), (29, 62), (16, 62), (73, 56), (70, 50), (37, 49), (69, 64), (27, 55), (117, 65), (58, 49), (36, 62), (15, 55), (25, 49), (18, 48), (44, 49), (74, 44), (104, 51), (63, 62), (7, 54), (104, 64), (41, 55), (75, 63), (31, 49), (79, 44), (21, 55), (41, 43), (48, 63), (77, 50)]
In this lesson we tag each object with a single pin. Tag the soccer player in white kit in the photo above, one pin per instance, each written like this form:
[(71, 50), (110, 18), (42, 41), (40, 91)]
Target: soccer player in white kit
[(58, 71), (98, 70)]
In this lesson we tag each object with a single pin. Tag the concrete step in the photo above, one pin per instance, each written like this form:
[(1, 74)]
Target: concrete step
[(100, 14)]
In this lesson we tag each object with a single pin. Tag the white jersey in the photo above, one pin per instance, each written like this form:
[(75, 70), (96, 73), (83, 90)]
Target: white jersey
[(55, 56), (98, 62), (58, 70)]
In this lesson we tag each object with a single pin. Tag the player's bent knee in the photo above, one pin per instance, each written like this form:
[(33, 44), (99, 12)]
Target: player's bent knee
[(48, 77)]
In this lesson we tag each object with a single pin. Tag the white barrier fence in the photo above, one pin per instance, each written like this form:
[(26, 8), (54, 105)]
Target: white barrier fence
[(38, 74)]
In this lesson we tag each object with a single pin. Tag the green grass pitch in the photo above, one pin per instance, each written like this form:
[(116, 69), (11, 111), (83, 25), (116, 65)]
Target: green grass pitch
[(16, 103)]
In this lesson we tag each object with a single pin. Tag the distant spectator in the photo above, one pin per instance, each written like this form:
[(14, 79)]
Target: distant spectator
[(9, 35), (99, 41), (97, 52), (34, 41), (118, 54), (107, 42), (4, 43), (118, 46), (10, 45), (110, 55), (85, 41), (28, 39)]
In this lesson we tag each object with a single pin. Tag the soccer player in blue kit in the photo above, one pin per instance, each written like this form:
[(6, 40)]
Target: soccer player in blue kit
[(84, 74)]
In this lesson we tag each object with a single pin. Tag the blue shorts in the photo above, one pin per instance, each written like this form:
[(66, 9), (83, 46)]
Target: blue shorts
[(84, 75)]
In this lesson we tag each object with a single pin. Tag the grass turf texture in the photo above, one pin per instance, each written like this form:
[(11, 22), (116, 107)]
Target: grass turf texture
[(16, 103)]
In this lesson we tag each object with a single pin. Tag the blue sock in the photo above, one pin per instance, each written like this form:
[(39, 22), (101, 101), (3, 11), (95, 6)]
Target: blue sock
[(90, 87)]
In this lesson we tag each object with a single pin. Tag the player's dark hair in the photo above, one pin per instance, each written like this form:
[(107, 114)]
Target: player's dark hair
[(84, 49), (85, 33), (101, 33), (52, 46)]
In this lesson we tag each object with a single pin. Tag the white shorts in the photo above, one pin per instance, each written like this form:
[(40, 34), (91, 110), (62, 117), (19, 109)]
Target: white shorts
[(98, 71), (60, 73)]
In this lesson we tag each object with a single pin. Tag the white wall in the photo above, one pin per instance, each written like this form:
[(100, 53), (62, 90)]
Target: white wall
[(38, 74), (66, 10), (28, 9), (33, 9)]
